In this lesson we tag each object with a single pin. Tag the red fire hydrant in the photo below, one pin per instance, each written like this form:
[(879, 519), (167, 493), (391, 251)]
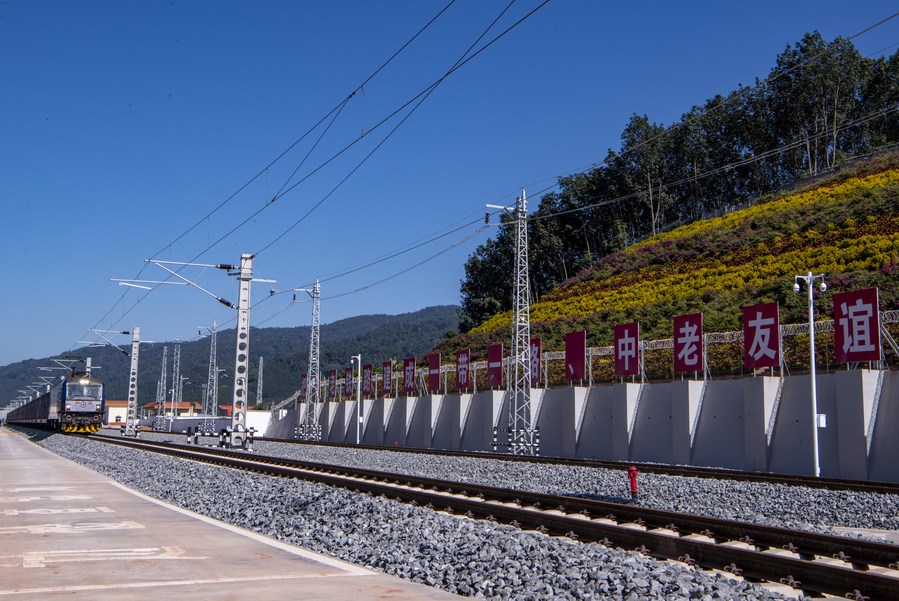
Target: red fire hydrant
[(632, 476)]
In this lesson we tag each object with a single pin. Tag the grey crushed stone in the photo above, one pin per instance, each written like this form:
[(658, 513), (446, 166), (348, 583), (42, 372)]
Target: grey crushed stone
[(462, 556)]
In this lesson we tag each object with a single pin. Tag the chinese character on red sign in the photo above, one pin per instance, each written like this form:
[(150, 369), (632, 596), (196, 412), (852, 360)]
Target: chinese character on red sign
[(434, 372), (575, 355), (856, 325), (463, 359), (495, 365), (348, 382), (535, 362), (332, 384), (627, 346), (387, 373), (409, 375), (366, 380), (761, 336), (688, 342)]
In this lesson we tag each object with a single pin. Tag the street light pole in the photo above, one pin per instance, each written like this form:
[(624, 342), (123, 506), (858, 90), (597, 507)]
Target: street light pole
[(358, 360), (810, 282)]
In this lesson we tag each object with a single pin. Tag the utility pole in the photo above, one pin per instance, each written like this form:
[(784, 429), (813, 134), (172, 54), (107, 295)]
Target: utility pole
[(176, 381), (309, 428), (161, 390), (238, 435), (131, 423), (810, 284), (132, 427), (181, 389), (358, 361), (522, 434), (259, 385), (211, 401), (522, 439)]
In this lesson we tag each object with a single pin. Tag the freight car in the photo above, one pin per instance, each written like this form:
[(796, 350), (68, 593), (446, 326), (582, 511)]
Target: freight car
[(74, 403)]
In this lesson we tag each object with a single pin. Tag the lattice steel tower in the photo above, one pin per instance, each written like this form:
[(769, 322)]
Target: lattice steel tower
[(211, 402), (161, 389), (521, 434), (176, 378), (259, 384), (309, 428)]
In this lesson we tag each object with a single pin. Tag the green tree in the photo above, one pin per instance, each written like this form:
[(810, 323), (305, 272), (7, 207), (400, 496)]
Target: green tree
[(487, 287), (814, 90), (879, 93), (644, 150)]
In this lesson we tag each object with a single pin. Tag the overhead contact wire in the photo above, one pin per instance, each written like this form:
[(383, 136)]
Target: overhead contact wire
[(338, 107), (422, 96)]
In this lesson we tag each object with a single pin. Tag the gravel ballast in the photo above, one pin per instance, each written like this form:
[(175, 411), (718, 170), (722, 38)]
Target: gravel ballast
[(795, 507), (464, 556)]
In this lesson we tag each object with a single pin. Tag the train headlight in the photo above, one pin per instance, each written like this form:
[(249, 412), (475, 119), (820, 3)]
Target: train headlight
[(68, 407)]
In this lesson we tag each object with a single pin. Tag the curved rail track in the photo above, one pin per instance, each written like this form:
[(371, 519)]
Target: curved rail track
[(648, 468), (811, 562)]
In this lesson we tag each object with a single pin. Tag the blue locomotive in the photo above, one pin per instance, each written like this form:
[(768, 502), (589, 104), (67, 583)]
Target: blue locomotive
[(74, 403)]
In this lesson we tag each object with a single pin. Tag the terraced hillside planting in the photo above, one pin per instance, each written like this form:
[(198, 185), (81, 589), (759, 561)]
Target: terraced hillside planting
[(847, 228)]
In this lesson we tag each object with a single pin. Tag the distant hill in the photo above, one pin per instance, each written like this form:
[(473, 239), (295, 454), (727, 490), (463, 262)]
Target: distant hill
[(845, 225), (285, 350)]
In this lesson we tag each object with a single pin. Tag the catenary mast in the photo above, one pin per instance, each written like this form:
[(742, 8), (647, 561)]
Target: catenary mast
[(521, 434), (309, 428), (210, 406)]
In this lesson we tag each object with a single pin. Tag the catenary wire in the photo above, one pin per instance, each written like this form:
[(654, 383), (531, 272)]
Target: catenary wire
[(336, 108), (740, 94), (723, 168), (427, 91), (708, 173), (595, 164), (283, 153), (422, 97)]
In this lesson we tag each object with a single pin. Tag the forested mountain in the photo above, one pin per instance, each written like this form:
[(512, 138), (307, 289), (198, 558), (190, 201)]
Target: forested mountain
[(821, 103), (377, 338)]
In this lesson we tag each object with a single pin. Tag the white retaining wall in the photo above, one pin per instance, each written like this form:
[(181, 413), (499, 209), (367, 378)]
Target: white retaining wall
[(761, 423)]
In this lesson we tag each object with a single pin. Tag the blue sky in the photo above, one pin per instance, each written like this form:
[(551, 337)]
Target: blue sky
[(123, 124)]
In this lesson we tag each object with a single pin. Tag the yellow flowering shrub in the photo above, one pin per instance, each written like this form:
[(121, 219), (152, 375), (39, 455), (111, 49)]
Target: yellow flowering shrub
[(686, 281)]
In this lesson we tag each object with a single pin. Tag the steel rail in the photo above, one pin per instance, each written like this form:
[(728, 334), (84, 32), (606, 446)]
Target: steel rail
[(813, 562), (688, 471)]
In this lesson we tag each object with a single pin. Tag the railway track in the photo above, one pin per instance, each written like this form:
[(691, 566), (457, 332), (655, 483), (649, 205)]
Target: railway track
[(644, 468), (814, 563)]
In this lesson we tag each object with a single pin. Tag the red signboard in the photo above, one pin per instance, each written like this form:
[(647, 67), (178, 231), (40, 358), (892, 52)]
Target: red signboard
[(434, 372), (304, 385), (348, 382), (463, 369), (856, 325), (761, 336), (332, 384), (387, 373), (409, 375), (535, 362), (688, 343), (575, 355), (495, 366), (366, 380), (627, 349)]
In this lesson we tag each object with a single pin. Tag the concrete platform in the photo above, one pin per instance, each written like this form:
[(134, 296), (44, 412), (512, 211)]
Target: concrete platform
[(68, 532)]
